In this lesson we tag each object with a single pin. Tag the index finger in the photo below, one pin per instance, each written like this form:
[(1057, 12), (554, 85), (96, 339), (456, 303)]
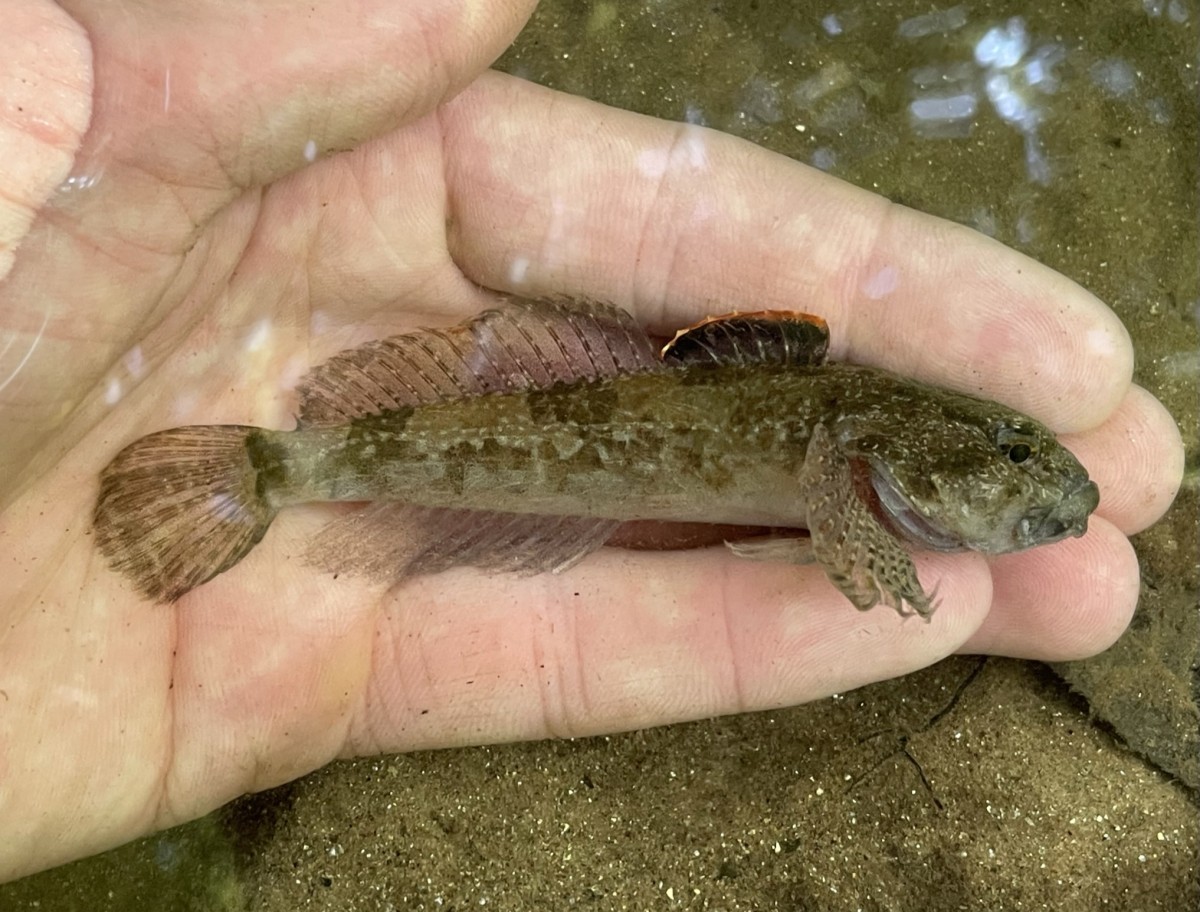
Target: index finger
[(674, 221)]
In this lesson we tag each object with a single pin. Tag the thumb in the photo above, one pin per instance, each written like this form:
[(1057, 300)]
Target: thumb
[(219, 97), (193, 102), (45, 104)]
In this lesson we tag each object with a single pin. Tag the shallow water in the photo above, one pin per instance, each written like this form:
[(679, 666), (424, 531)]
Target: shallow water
[(1065, 132)]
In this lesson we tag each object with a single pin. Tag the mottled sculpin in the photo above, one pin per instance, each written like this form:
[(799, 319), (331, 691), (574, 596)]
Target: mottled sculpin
[(522, 439)]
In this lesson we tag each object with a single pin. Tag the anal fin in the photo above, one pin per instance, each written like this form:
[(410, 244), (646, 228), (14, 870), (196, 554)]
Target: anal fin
[(664, 535), (391, 541)]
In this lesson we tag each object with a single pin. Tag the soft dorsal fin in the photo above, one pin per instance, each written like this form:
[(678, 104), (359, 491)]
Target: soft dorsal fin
[(519, 345), (782, 337)]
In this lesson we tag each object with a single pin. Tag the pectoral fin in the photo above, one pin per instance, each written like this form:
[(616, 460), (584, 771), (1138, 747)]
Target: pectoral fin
[(864, 560)]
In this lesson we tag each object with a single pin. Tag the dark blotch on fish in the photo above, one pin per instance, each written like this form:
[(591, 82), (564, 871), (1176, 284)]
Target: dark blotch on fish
[(560, 404), (522, 439)]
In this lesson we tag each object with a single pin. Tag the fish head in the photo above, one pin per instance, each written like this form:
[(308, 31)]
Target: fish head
[(961, 473)]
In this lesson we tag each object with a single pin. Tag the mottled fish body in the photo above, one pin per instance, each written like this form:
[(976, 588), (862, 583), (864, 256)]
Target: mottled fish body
[(638, 446), (523, 438)]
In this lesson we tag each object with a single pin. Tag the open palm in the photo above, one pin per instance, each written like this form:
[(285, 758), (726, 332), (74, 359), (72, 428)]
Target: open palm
[(254, 194)]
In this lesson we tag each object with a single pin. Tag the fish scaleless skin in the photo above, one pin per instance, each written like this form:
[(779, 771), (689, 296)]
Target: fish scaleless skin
[(521, 439)]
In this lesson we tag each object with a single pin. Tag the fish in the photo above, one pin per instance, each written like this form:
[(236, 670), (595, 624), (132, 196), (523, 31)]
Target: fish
[(525, 438)]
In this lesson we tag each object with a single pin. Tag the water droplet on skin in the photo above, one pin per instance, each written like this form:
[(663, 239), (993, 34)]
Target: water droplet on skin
[(1101, 342), (319, 323), (518, 269), (183, 407), (652, 163), (134, 363), (77, 183), (882, 283), (693, 150), (259, 335)]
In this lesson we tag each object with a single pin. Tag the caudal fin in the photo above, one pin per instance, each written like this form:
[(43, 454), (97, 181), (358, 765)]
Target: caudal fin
[(180, 506)]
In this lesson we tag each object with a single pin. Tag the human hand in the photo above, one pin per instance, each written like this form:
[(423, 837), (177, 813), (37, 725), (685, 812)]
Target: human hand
[(210, 265)]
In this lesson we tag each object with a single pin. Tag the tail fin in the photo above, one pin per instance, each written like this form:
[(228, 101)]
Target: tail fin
[(178, 507)]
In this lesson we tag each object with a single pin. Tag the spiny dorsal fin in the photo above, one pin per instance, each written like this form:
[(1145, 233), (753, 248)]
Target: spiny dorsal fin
[(520, 345), (781, 337)]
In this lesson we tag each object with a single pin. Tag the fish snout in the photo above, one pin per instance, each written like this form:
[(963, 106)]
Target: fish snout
[(1066, 519)]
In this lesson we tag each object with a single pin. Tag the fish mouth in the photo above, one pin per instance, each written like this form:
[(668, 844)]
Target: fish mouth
[(1066, 519)]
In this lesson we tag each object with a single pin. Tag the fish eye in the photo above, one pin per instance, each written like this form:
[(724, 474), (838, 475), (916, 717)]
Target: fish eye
[(1018, 445), (1019, 452)]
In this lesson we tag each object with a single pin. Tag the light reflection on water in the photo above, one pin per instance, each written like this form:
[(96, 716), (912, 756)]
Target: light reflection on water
[(973, 71), (1006, 69), (1176, 10), (939, 22), (832, 25)]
